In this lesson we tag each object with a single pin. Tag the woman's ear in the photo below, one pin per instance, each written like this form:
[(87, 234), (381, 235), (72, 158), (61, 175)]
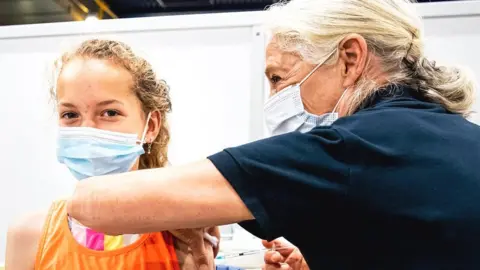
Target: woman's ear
[(153, 126), (354, 53)]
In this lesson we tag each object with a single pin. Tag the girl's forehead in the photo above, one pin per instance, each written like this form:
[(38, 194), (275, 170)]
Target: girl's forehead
[(93, 82)]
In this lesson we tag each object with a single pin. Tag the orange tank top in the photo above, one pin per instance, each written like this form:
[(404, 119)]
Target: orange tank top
[(58, 250)]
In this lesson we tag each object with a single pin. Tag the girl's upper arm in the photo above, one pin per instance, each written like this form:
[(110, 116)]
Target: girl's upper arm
[(23, 237)]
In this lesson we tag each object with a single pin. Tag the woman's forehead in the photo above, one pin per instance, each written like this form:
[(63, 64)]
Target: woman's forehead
[(278, 59)]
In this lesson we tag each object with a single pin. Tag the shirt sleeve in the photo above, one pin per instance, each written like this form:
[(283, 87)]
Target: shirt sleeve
[(287, 180)]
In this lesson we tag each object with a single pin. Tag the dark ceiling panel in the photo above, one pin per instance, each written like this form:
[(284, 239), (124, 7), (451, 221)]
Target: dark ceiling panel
[(40, 11), (134, 8), (31, 11), (28, 7)]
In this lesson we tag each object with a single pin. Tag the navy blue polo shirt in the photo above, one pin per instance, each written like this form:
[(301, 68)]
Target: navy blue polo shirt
[(394, 186)]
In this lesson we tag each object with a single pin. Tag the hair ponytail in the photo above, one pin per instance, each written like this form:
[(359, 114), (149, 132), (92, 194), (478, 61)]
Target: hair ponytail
[(452, 87)]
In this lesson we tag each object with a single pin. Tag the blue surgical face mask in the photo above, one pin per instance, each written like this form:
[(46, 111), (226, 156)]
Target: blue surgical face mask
[(284, 111), (91, 152)]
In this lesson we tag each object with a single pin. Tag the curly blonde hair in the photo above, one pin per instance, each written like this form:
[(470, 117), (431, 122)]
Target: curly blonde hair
[(152, 92)]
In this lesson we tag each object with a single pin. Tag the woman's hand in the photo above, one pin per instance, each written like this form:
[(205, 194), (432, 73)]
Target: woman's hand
[(285, 257)]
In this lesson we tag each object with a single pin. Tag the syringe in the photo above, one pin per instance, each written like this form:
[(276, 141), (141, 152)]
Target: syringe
[(249, 252), (240, 254)]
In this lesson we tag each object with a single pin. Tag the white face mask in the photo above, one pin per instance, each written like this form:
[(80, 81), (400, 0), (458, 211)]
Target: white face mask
[(284, 112), (91, 152)]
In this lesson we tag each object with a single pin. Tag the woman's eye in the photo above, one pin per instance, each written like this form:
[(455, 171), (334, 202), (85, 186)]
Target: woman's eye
[(275, 79), (69, 115), (110, 113)]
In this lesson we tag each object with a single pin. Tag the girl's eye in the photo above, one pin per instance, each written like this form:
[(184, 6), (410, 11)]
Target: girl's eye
[(69, 115), (110, 113)]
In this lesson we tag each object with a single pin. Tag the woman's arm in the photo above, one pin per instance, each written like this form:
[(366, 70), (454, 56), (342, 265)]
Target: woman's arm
[(191, 196), (23, 237)]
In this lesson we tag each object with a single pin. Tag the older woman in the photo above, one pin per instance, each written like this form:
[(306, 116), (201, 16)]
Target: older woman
[(393, 183)]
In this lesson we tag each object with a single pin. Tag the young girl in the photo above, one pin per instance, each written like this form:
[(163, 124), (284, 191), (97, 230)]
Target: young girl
[(112, 118)]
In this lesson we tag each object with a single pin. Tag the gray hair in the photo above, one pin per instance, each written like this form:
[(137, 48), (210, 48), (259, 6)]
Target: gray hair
[(393, 32)]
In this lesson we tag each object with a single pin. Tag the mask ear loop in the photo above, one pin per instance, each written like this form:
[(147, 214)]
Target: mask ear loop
[(340, 99), (145, 130), (315, 69)]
